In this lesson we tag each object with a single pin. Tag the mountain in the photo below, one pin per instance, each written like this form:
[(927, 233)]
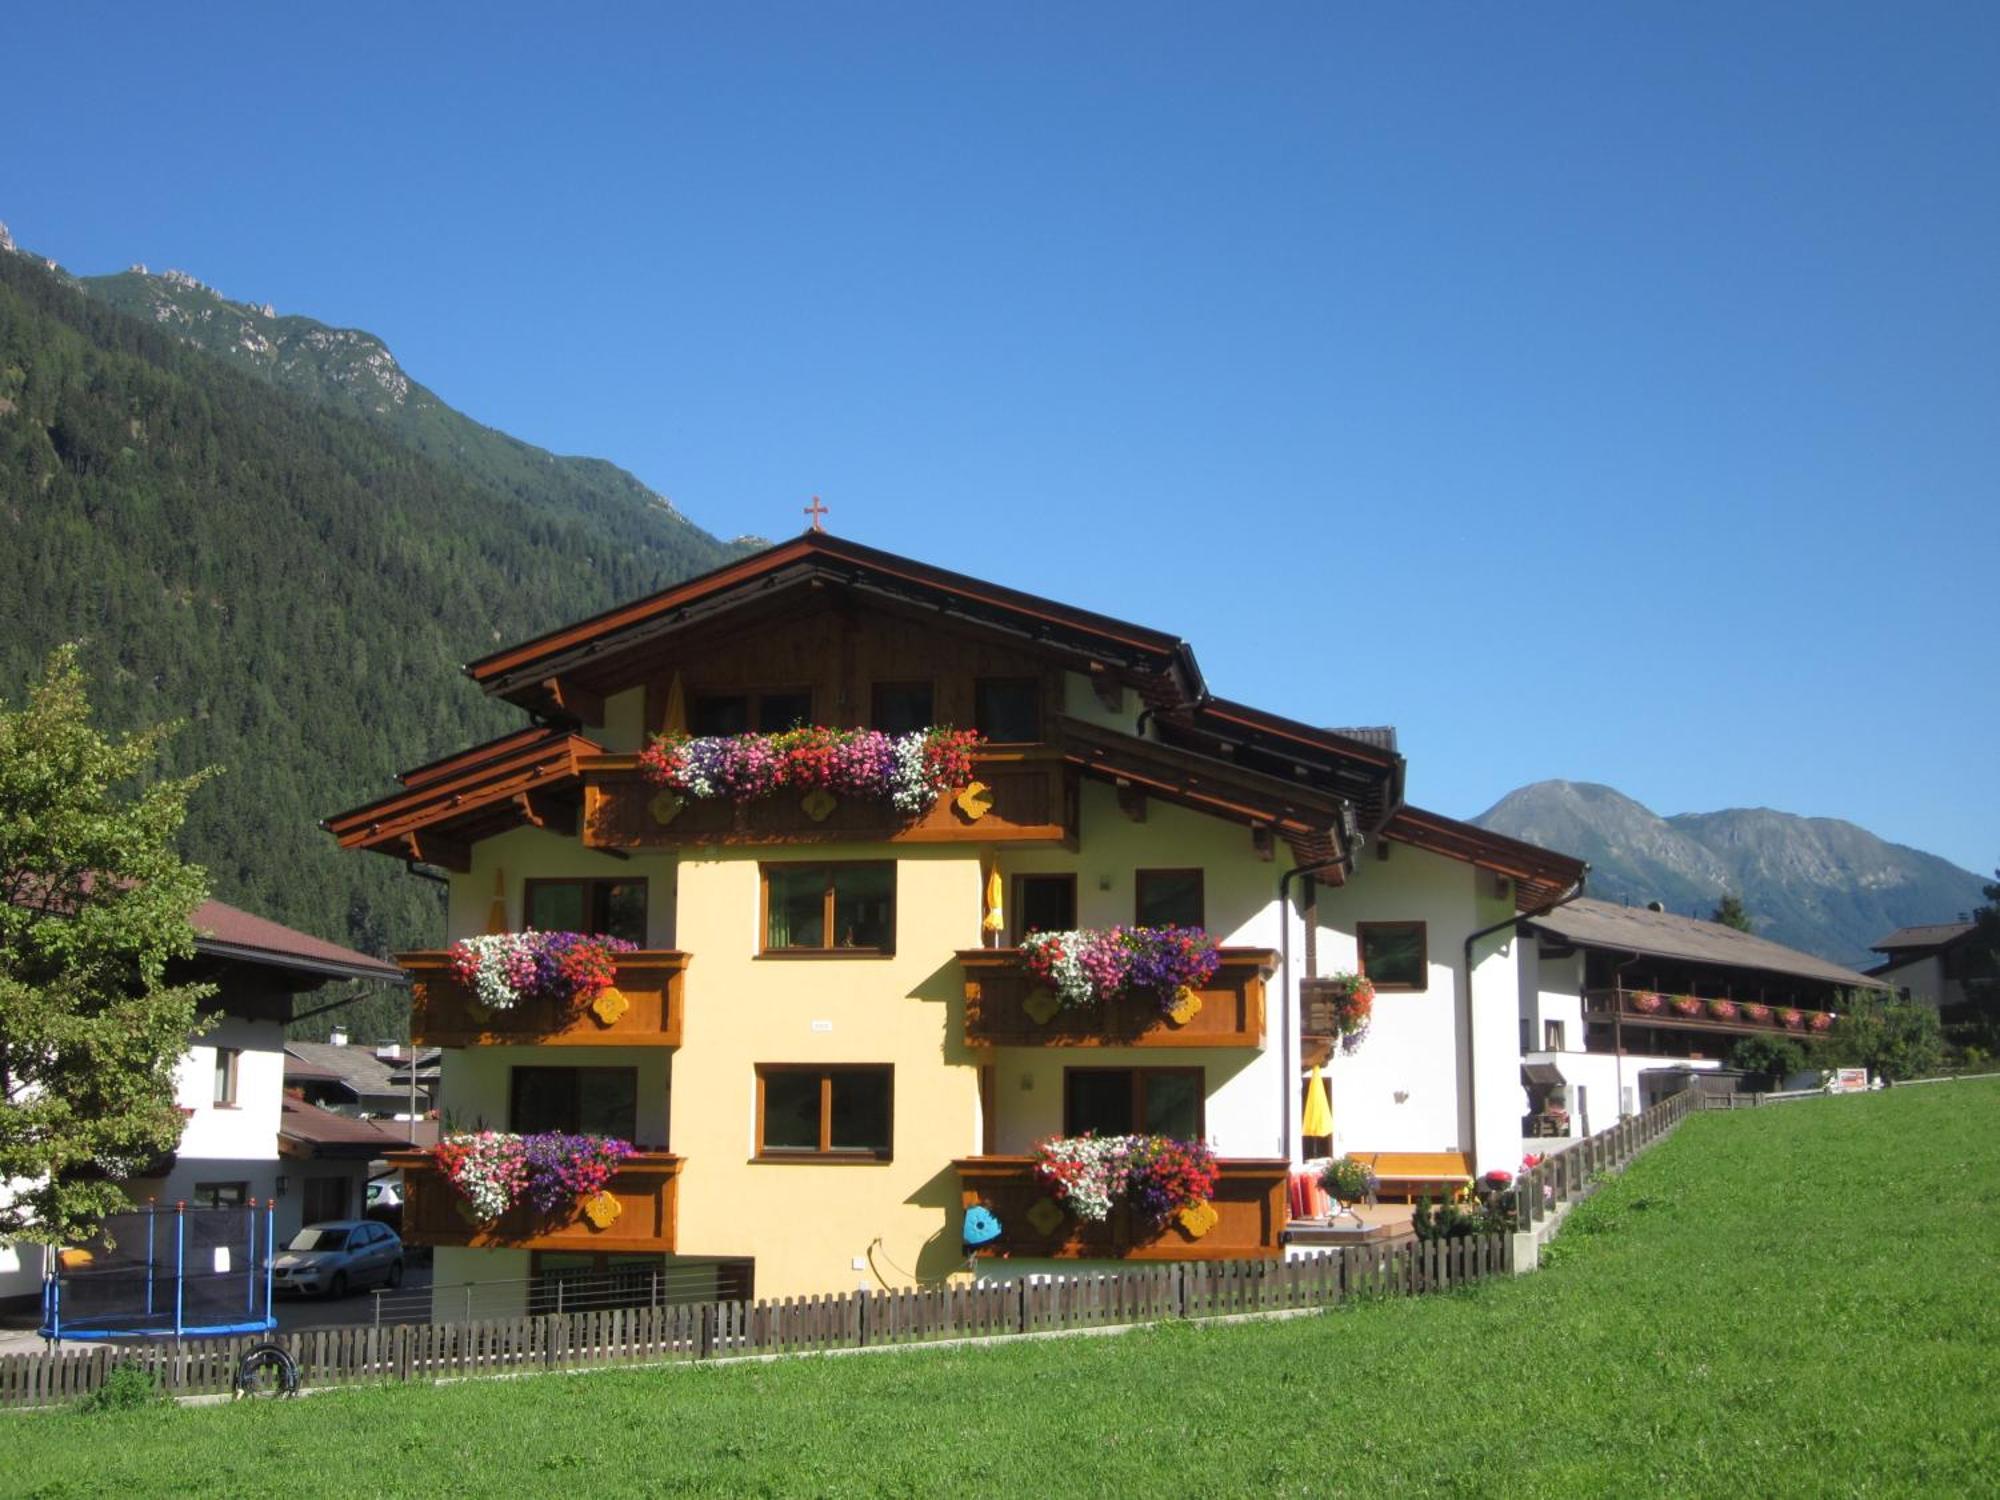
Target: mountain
[(1817, 884), (258, 551)]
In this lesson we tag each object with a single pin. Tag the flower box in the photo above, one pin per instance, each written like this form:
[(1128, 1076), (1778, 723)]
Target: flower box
[(644, 1189), (1249, 1204), (999, 992), (444, 1012)]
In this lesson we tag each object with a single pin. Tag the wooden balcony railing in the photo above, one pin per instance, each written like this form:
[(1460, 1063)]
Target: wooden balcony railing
[(1002, 1000), (445, 1013), (645, 1188), (1623, 1007), (1249, 1207), (1031, 797)]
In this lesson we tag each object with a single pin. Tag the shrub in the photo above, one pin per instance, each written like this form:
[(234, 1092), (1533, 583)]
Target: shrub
[(125, 1388)]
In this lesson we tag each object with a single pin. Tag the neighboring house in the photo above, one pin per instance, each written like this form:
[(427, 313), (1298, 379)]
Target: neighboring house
[(824, 1051), (1624, 999), (372, 1082), (241, 1141), (1930, 963)]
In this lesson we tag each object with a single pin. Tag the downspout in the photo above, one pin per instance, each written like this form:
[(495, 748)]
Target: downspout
[(1465, 1005)]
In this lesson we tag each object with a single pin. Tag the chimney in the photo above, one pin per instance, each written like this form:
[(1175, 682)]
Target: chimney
[(388, 1051), (338, 1036)]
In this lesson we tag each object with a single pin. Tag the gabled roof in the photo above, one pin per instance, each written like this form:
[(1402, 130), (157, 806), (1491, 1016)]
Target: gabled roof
[(521, 673), (1585, 923), (356, 1066), (1935, 935), (226, 932), (1539, 875)]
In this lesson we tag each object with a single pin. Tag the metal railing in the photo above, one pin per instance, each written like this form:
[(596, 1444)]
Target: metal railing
[(550, 1292)]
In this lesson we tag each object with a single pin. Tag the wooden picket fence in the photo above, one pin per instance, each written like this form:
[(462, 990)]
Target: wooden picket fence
[(609, 1337), (685, 1332)]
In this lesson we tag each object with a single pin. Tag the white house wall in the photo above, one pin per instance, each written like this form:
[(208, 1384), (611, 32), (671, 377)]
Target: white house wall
[(1408, 1087)]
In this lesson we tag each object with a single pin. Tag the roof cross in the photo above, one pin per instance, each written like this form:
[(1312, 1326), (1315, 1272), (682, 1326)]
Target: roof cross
[(816, 510)]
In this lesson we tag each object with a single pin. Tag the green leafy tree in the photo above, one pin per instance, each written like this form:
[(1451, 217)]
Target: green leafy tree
[(1776, 1056), (94, 905), (1892, 1038), (1730, 912)]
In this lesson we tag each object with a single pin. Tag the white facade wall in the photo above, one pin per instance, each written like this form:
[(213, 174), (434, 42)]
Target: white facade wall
[(1925, 980), (1410, 1086)]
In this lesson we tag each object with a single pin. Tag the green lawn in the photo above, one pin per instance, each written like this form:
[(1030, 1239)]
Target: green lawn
[(1799, 1299)]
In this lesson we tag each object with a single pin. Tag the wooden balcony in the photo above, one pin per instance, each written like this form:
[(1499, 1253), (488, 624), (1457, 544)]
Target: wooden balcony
[(999, 993), (1033, 801), (1249, 1203), (1621, 1008), (445, 1013), (646, 1188)]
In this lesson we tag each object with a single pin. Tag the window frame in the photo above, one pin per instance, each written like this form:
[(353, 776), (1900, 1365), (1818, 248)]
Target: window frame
[(1200, 884), (825, 1154), (596, 899), (1552, 1036), (1020, 907), (228, 1077), (1423, 984), (764, 869), (1037, 691), (875, 690), (1139, 1077), (211, 1194), (754, 701)]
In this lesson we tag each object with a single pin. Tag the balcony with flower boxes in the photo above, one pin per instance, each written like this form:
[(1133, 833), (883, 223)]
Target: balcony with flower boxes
[(1006, 1006), (642, 1009), (636, 1211), (1693, 1013), (1023, 795), (1249, 1216)]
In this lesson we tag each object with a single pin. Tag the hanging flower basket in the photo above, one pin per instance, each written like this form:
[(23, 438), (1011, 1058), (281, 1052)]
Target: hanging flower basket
[(1085, 967), (1723, 1010), (1686, 1005), (1646, 1003), (1820, 1020), (1353, 999), (569, 968), (1792, 1020), (908, 771), (1761, 1014)]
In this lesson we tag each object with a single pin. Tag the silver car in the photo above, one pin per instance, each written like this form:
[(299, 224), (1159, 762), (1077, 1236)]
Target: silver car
[(338, 1257)]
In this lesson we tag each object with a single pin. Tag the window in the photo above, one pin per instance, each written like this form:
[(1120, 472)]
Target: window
[(736, 713), (606, 908), (1044, 903), (325, 1198), (579, 1101), (221, 1194), (830, 908), (1008, 709), (1133, 1101), (1552, 1036), (226, 1059), (1168, 898), (899, 707), (836, 1113), (1392, 955)]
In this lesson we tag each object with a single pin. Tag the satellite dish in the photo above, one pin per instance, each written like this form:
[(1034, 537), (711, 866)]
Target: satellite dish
[(981, 1227)]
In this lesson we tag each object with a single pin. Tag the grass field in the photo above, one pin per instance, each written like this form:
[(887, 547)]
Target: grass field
[(1799, 1299)]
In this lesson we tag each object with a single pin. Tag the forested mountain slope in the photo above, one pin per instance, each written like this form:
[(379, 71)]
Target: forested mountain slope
[(297, 582)]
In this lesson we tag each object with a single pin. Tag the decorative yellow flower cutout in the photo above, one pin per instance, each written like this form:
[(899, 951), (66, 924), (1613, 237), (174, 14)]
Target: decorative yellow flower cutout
[(1198, 1218), (1041, 1007), (609, 1005), (1186, 1006), (602, 1210), (665, 807), (976, 801)]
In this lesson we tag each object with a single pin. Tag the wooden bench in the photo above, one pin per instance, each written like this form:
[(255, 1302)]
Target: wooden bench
[(1411, 1175)]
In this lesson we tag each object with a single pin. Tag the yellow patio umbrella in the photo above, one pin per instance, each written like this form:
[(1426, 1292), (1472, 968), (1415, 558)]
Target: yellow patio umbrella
[(1318, 1118), (995, 919), (674, 720)]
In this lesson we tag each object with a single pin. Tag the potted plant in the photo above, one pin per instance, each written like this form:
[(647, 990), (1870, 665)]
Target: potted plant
[(1348, 1180), (1723, 1010), (1791, 1019), (1687, 1006), (1647, 1003), (1753, 1011), (908, 771)]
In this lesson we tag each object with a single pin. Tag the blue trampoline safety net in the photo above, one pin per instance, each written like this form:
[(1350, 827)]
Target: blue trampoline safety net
[(163, 1273)]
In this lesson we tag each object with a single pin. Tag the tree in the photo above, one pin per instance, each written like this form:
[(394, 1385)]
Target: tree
[(1730, 912), (1972, 1027), (94, 905), (1777, 1057), (1892, 1038)]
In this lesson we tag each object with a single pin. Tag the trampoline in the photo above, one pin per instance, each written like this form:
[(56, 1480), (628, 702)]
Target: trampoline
[(166, 1273)]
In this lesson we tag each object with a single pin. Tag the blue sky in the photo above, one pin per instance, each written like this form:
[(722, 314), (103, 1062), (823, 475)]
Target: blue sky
[(1602, 392)]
